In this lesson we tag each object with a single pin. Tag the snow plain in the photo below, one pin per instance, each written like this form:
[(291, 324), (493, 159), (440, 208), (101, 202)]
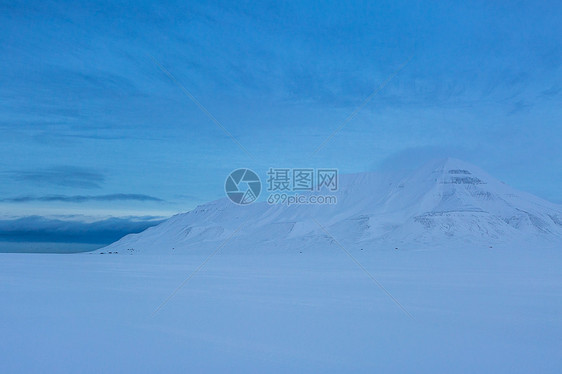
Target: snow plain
[(485, 310), (445, 270)]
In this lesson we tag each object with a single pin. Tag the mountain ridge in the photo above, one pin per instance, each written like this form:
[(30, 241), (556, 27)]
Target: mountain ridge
[(446, 202)]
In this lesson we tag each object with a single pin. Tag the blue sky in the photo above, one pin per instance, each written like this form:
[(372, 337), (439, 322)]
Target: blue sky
[(91, 126)]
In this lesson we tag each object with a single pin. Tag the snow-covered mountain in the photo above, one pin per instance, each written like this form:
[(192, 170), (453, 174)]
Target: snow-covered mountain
[(445, 203)]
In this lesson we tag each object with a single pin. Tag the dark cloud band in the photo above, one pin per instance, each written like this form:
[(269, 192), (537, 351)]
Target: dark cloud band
[(81, 198), (41, 229), (66, 176)]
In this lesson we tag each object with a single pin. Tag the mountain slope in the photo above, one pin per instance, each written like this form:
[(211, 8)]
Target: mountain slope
[(445, 203)]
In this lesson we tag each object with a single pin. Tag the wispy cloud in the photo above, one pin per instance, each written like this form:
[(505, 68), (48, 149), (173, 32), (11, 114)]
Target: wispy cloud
[(520, 106), (551, 92), (81, 198), (67, 176)]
